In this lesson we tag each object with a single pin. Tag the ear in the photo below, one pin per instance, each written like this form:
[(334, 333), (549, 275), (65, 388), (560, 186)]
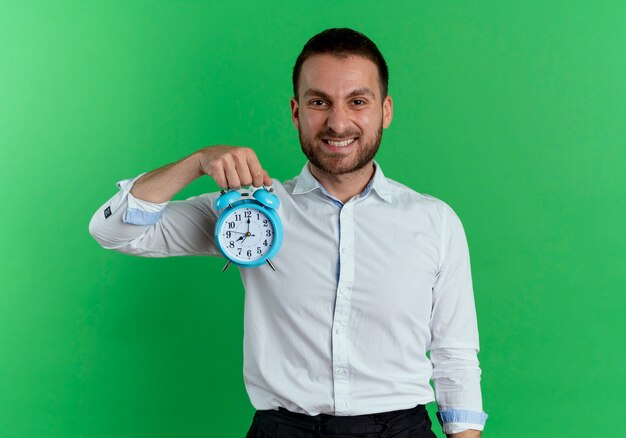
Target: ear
[(294, 112), (387, 111)]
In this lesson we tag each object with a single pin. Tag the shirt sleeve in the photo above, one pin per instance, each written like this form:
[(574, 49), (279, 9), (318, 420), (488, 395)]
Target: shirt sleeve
[(454, 333), (134, 226)]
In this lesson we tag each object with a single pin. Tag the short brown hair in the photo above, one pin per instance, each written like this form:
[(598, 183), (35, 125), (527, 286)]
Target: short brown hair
[(342, 42)]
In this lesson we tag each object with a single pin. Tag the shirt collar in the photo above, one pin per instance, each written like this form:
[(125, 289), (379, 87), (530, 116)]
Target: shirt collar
[(306, 183)]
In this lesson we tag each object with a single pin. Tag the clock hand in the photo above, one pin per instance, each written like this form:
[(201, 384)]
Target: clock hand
[(243, 238)]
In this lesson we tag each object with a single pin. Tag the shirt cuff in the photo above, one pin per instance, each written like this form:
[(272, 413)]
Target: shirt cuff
[(139, 212), (457, 420)]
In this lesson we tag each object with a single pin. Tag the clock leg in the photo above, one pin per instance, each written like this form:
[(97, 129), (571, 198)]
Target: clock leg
[(226, 266), (269, 262)]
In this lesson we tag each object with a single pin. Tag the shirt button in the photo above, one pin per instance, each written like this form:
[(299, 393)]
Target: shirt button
[(345, 250), (338, 331), (343, 290), (340, 371)]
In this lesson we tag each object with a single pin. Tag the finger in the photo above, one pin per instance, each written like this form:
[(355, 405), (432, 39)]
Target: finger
[(266, 179), (243, 171), (220, 177), (231, 173), (255, 170), (215, 169)]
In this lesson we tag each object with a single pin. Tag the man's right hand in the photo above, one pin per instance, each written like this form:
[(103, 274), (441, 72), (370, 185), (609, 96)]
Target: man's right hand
[(230, 167)]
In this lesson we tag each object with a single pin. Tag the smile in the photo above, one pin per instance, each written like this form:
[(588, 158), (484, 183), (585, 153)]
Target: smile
[(341, 143)]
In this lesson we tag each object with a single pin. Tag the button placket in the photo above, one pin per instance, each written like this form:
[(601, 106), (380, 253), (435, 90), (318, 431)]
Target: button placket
[(342, 310)]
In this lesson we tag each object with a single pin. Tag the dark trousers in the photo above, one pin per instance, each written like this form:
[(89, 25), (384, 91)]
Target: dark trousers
[(407, 423)]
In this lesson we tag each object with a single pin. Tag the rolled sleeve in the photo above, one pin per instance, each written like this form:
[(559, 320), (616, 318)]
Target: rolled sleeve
[(454, 334), (138, 211), (141, 212), (133, 226), (458, 420)]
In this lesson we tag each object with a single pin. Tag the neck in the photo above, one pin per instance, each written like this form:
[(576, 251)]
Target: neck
[(344, 186)]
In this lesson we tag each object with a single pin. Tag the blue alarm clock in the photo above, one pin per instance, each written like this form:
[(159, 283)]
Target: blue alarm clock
[(248, 232)]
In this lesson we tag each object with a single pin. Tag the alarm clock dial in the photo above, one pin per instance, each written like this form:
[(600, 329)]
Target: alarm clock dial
[(247, 234)]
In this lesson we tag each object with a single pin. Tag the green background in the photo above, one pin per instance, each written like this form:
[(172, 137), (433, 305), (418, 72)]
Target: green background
[(512, 112)]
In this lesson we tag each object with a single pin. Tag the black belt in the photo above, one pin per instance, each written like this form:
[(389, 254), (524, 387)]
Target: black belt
[(383, 423)]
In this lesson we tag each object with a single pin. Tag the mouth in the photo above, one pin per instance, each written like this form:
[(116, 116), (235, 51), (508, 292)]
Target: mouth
[(339, 143)]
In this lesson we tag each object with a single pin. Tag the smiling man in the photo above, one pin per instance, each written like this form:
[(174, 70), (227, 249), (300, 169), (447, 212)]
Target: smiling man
[(340, 107), (371, 277)]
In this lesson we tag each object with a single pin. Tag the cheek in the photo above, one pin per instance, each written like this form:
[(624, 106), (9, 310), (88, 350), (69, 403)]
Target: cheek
[(369, 122), (310, 123)]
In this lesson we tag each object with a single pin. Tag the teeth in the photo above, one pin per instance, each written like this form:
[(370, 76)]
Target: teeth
[(340, 143)]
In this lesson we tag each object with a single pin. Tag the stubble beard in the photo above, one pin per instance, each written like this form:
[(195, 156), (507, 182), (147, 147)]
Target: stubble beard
[(333, 163)]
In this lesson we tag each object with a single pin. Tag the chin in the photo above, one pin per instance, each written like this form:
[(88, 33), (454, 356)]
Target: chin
[(339, 166)]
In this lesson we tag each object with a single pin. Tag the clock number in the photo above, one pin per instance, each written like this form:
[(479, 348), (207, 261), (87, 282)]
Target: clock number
[(258, 216), (231, 225), (231, 244), (268, 233), (238, 251), (247, 213), (249, 253), (265, 224), (228, 234), (258, 250), (265, 242), (237, 217)]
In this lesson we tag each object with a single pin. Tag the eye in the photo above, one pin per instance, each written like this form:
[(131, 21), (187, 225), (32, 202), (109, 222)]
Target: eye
[(358, 102), (317, 102)]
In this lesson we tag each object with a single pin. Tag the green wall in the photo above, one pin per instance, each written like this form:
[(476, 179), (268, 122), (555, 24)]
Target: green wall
[(512, 112)]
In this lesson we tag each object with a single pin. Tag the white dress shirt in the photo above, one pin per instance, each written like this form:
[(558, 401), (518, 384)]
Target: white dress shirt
[(363, 290)]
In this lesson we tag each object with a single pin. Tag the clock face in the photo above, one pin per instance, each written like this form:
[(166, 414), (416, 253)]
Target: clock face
[(247, 234)]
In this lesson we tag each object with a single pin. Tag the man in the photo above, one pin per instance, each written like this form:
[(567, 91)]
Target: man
[(371, 275)]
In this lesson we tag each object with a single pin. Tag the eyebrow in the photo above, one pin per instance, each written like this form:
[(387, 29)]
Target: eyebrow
[(357, 92)]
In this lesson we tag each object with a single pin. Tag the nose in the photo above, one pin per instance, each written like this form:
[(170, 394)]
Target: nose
[(338, 120)]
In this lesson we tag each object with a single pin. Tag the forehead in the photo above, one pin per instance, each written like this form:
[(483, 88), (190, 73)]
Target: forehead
[(338, 76)]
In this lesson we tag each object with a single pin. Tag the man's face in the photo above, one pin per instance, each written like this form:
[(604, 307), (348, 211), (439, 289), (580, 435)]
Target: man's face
[(340, 113)]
